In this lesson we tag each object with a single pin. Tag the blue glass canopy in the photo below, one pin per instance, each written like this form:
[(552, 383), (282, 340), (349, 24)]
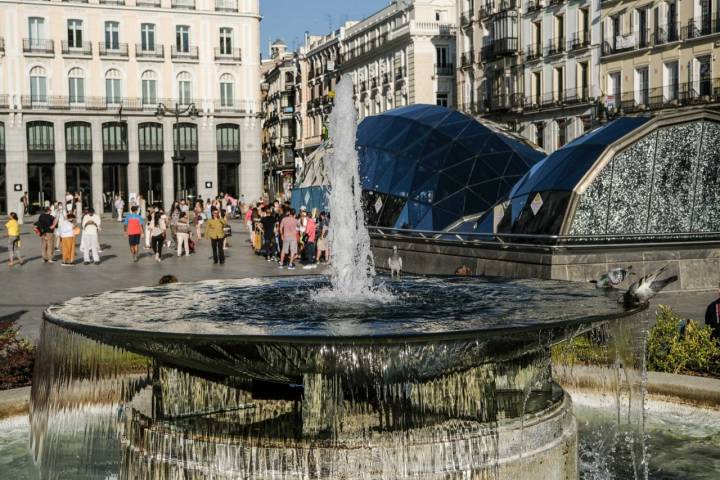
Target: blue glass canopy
[(425, 167)]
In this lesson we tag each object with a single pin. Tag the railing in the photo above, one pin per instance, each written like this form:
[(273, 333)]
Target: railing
[(191, 53), (555, 46), (38, 45), (386, 78), (533, 6), (486, 9), (400, 73), (533, 52), (85, 48), (467, 58), (112, 2), (700, 27), (554, 3), (234, 54), (226, 5), (627, 43), (500, 47), (570, 96), (113, 49), (667, 34), (578, 41), (701, 92), (158, 51), (147, 3), (446, 70), (186, 4)]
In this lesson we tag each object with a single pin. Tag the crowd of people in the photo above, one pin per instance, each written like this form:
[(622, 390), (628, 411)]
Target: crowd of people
[(281, 234)]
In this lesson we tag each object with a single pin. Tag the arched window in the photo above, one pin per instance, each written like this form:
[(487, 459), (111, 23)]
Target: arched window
[(148, 81), (78, 136), (76, 85), (40, 136), (227, 97), (185, 137), (228, 137), (113, 92), (38, 85), (115, 137), (184, 88), (150, 137)]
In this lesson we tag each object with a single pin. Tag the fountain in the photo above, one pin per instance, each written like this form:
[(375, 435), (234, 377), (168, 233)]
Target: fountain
[(305, 378)]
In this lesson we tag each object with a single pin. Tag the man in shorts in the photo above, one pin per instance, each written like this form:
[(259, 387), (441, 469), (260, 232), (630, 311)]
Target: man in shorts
[(133, 227), (288, 234)]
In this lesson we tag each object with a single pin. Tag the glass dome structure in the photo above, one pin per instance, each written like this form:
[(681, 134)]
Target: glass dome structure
[(425, 167), (634, 176)]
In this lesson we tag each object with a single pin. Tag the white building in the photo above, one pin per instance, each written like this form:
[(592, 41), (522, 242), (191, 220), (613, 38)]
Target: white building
[(89, 90)]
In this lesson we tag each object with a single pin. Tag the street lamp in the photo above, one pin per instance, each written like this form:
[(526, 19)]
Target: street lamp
[(177, 157)]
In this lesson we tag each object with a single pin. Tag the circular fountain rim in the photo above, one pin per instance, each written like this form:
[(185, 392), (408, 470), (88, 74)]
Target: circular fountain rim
[(383, 338)]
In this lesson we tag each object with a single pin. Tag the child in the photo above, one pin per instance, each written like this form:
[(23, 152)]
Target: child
[(13, 234)]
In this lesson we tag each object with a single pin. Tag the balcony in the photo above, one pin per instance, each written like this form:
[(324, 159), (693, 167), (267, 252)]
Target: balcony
[(39, 46), (533, 6), (231, 55), (386, 78), (75, 1), (555, 46), (664, 35), (82, 49), (466, 18), (555, 3), (226, 6), (112, 2), (508, 5), (189, 53), (116, 50), (150, 52), (486, 9), (700, 27), (447, 70), (701, 92), (147, 3), (627, 43), (533, 52), (183, 4), (578, 41), (467, 59), (400, 73)]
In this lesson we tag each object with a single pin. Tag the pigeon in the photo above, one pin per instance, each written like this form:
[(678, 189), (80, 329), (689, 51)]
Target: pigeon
[(644, 289), (613, 278), (395, 263)]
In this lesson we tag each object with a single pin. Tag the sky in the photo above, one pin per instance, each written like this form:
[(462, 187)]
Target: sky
[(289, 19)]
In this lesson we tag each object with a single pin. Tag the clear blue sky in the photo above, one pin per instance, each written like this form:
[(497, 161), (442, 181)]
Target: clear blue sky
[(289, 19)]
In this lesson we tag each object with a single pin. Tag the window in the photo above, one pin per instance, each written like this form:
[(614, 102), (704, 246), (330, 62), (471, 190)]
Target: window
[(36, 30), (643, 31), (226, 41), (614, 89), (184, 88), (76, 85), (147, 37), (562, 125), (150, 137), (113, 92), (114, 137), (643, 86), (226, 90), (672, 81), (442, 99), (228, 137), (78, 136), (74, 33), (40, 136), (112, 35), (185, 137), (441, 58), (583, 81), (38, 85), (705, 75), (540, 134), (182, 38), (148, 82), (558, 83)]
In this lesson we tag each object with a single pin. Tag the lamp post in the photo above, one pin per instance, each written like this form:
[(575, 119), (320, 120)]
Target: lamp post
[(177, 112)]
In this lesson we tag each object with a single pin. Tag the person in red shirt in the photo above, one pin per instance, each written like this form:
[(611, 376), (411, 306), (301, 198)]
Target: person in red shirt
[(307, 225), (288, 234), (133, 226)]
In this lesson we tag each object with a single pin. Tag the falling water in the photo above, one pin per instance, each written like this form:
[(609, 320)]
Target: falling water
[(353, 269)]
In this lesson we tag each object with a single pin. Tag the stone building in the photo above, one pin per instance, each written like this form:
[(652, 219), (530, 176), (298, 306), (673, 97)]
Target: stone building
[(90, 92)]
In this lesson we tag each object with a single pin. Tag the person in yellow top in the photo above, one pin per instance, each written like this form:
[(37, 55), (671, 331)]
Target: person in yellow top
[(215, 231), (13, 234)]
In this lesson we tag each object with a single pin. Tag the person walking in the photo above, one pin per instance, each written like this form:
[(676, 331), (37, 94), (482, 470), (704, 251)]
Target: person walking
[(119, 206), (183, 234), (215, 231), (26, 204), (46, 224), (712, 316), (67, 239), (142, 205), (158, 227), (288, 235), (90, 230), (133, 227), (13, 234)]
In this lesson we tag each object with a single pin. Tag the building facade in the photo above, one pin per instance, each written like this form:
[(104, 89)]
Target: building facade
[(127, 97), (279, 126)]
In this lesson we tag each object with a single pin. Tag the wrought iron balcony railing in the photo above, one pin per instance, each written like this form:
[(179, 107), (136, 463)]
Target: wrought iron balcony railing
[(113, 49), (38, 45)]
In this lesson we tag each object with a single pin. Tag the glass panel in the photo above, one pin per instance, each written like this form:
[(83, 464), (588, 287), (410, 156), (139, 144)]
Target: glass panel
[(592, 210), (630, 197), (706, 215), (675, 168)]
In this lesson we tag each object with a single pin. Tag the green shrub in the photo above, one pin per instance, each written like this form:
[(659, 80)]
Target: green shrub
[(671, 350), (17, 357)]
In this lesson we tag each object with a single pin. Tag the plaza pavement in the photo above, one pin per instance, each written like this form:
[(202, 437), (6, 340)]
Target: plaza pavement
[(35, 285)]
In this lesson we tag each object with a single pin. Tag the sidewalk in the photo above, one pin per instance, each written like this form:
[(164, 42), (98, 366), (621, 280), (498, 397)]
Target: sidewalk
[(35, 285)]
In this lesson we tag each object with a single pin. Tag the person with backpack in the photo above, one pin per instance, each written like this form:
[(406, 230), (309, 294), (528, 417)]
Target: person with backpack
[(133, 226), (45, 226)]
